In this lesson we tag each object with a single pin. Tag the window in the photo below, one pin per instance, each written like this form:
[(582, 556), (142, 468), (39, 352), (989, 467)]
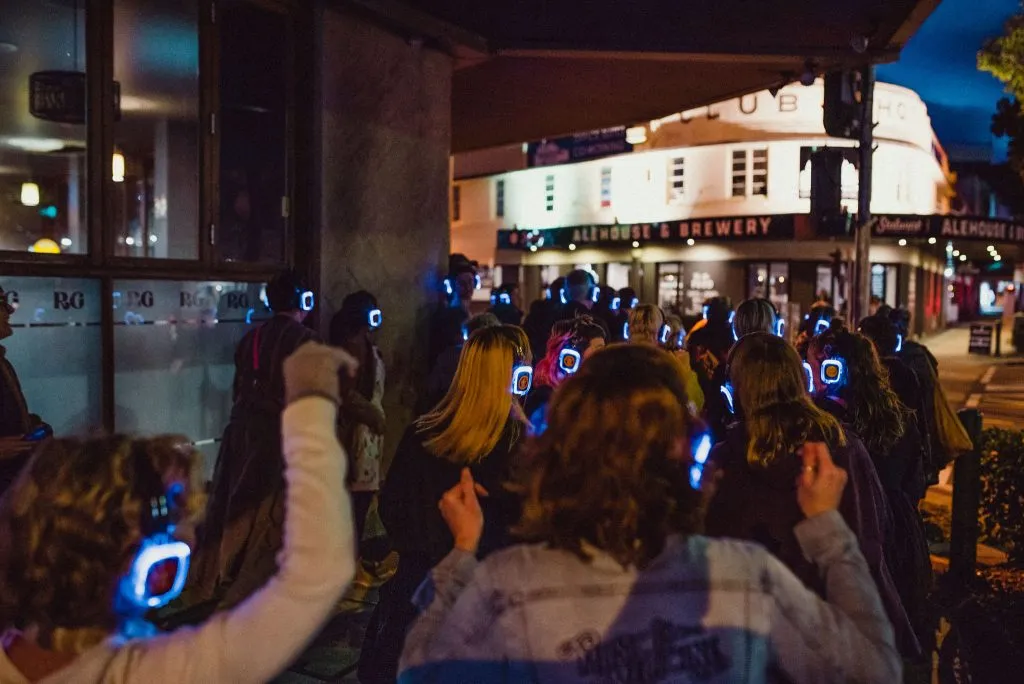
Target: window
[(456, 203), (849, 177), (677, 179), (769, 281), (670, 286), (549, 193), (884, 283), (606, 187), (42, 143), (155, 187), (252, 223), (499, 198), (174, 346), (617, 275), (750, 172), (56, 350)]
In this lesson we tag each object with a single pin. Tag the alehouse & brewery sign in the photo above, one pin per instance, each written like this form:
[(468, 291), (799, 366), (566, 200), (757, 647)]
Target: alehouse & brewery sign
[(730, 228)]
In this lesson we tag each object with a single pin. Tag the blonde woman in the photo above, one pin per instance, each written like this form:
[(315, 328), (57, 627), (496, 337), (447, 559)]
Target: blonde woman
[(478, 424), (647, 326)]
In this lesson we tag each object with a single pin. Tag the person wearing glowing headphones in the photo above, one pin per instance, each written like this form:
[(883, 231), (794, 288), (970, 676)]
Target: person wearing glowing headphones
[(242, 530), (457, 288), (361, 420), (95, 538), (571, 343), (646, 325), (477, 425)]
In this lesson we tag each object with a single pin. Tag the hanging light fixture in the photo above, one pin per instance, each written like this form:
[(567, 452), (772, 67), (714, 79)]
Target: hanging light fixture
[(117, 168), (30, 194)]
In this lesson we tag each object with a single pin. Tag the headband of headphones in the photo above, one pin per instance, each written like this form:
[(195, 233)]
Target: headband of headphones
[(778, 325), (449, 284)]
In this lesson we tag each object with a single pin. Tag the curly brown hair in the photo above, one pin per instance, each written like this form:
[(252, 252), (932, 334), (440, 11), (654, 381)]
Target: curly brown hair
[(73, 522), (611, 470), (873, 410)]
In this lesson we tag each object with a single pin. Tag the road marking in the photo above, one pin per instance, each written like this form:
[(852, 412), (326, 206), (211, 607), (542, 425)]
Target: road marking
[(973, 401), (989, 374)]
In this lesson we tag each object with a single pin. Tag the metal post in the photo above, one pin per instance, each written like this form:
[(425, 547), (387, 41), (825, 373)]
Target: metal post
[(963, 543), (999, 338), (861, 302)]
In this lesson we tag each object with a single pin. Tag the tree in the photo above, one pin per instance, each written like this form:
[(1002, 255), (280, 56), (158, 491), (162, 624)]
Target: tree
[(1003, 57)]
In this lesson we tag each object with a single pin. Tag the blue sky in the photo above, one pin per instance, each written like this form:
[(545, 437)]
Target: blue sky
[(939, 63)]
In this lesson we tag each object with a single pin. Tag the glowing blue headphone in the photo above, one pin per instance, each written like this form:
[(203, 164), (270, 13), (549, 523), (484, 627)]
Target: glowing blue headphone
[(569, 360), (157, 548), (374, 318), (833, 372), (625, 330), (822, 325), (633, 303), (616, 303), (449, 289), (701, 450), (501, 298), (778, 324), (727, 394), (899, 342), (663, 334), (522, 376), (681, 338), (809, 372), (307, 300)]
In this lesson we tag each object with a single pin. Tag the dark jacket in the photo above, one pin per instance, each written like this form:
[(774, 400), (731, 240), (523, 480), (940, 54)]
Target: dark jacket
[(925, 367), (759, 504), (418, 479), (536, 407)]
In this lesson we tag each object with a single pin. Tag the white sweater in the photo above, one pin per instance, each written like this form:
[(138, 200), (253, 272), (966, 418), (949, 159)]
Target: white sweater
[(259, 638)]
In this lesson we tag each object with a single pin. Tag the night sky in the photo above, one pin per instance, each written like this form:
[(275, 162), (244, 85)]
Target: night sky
[(939, 63)]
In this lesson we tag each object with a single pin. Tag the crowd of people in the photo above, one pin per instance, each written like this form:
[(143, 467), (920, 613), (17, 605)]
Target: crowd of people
[(590, 492)]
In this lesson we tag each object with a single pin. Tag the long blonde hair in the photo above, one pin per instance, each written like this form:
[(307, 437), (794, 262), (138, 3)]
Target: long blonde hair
[(771, 392), (468, 423), (645, 323)]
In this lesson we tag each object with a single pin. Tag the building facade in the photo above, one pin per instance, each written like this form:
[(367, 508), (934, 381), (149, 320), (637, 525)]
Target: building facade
[(714, 201)]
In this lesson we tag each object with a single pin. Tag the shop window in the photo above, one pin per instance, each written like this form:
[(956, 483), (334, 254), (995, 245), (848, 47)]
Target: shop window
[(618, 275), (154, 172), (884, 279), (499, 198), (549, 193), (55, 350), (174, 349), (253, 132), (670, 286), (42, 145), (750, 172), (606, 187), (769, 281), (456, 203), (677, 179)]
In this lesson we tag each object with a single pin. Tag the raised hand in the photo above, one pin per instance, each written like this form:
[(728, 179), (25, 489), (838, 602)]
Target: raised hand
[(819, 488), (460, 508)]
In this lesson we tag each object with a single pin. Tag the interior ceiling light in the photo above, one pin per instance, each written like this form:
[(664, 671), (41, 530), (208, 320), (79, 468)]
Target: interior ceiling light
[(34, 144), (637, 135), (30, 194)]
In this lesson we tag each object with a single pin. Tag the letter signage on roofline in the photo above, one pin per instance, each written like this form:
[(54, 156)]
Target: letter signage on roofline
[(723, 229)]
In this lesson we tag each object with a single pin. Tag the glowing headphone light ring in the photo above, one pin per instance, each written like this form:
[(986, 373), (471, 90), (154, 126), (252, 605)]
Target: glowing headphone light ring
[(809, 372), (569, 361), (833, 371), (307, 300), (374, 318)]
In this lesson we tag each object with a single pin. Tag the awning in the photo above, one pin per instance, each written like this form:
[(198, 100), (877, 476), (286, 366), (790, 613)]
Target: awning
[(533, 69)]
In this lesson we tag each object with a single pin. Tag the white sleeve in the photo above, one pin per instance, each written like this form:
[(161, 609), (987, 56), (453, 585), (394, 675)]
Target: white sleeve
[(259, 638)]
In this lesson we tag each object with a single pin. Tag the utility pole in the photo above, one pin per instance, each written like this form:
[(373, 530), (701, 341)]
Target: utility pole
[(861, 297)]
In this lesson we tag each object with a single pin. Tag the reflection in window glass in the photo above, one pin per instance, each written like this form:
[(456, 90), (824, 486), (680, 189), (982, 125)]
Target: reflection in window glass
[(174, 346), (55, 350), (253, 133), (155, 166), (42, 132)]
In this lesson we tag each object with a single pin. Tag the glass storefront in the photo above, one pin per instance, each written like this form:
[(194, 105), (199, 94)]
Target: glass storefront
[(133, 286)]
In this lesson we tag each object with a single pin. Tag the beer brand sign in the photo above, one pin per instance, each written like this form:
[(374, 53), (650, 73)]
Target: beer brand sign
[(731, 228), (949, 228)]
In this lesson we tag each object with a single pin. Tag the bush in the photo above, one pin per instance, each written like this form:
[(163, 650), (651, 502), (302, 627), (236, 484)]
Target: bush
[(1002, 491)]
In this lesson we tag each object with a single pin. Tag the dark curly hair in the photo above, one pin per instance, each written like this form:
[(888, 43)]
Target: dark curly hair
[(873, 409), (612, 468), (73, 521)]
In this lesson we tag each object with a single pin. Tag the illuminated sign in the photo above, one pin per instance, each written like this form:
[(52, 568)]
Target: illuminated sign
[(949, 227), (578, 147), (729, 228)]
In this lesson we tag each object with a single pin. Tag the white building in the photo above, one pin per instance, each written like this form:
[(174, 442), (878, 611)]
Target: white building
[(743, 158)]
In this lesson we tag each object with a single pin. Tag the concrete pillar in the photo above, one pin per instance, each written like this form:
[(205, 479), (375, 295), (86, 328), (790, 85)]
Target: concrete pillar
[(385, 139)]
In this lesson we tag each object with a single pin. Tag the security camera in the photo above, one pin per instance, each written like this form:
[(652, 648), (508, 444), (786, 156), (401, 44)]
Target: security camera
[(859, 43), (808, 77)]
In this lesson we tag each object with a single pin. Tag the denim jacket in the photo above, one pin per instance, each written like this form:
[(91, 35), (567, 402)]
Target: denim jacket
[(705, 610)]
